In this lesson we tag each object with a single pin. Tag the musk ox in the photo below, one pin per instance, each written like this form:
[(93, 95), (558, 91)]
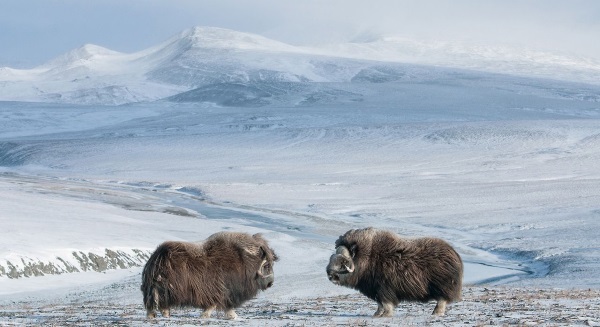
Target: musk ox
[(390, 269), (222, 273)]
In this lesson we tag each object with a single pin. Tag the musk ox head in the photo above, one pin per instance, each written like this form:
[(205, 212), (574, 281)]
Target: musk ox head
[(264, 275), (340, 265)]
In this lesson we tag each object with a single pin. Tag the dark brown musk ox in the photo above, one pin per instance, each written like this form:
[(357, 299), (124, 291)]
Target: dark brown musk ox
[(222, 272), (390, 269)]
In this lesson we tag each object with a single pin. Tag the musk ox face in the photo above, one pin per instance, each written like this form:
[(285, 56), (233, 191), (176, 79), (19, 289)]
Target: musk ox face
[(264, 275), (340, 266)]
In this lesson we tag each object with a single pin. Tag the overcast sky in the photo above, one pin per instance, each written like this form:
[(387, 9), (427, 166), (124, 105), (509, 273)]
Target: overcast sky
[(34, 31)]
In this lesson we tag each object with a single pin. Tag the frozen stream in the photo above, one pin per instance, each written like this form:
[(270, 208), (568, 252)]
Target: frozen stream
[(312, 232), (312, 228)]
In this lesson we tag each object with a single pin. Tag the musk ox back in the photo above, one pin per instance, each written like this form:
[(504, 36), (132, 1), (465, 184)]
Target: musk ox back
[(223, 272), (390, 269)]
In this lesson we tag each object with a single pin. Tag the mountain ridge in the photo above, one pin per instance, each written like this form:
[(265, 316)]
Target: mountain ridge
[(199, 57)]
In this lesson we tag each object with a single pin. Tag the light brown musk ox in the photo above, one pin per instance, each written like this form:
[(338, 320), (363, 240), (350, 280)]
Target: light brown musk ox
[(390, 269), (222, 272)]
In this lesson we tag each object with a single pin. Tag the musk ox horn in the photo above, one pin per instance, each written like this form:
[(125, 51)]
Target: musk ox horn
[(349, 269), (343, 251), (262, 268)]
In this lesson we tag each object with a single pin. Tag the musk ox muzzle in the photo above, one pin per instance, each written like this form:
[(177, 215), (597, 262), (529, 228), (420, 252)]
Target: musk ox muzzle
[(390, 269), (221, 273)]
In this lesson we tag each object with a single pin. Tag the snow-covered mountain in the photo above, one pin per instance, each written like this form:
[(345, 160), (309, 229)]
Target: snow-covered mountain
[(204, 64), (496, 59)]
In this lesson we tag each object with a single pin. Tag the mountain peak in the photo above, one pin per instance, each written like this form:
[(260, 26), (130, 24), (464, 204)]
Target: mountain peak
[(87, 52), (221, 38)]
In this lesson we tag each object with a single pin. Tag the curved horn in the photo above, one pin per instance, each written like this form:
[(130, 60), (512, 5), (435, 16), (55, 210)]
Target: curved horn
[(343, 251), (260, 274), (349, 269)]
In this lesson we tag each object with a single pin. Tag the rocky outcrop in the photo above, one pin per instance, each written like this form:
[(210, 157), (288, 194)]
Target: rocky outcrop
[(77, 262)]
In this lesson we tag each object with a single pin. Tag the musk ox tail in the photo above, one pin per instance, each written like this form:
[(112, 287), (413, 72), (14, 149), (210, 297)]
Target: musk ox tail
[(457, 282), (152, 287), (448, 275)]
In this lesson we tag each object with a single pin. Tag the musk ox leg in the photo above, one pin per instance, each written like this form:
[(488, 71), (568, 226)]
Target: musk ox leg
[(165, 313), (208, 311), (151, 302), (230, 314), (379, 311), (384, 310), (440, 307)]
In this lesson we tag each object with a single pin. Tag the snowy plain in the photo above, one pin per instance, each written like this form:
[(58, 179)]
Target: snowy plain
[(504, 167)]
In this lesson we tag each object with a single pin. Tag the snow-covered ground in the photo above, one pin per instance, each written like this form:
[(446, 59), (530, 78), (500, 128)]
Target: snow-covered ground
[(505, 168)]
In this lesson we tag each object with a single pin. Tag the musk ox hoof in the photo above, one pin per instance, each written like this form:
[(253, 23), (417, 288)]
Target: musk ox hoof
[(383, 314), (150, 315), (384, 310), (230, 314), (165, 313), (207, 313)]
